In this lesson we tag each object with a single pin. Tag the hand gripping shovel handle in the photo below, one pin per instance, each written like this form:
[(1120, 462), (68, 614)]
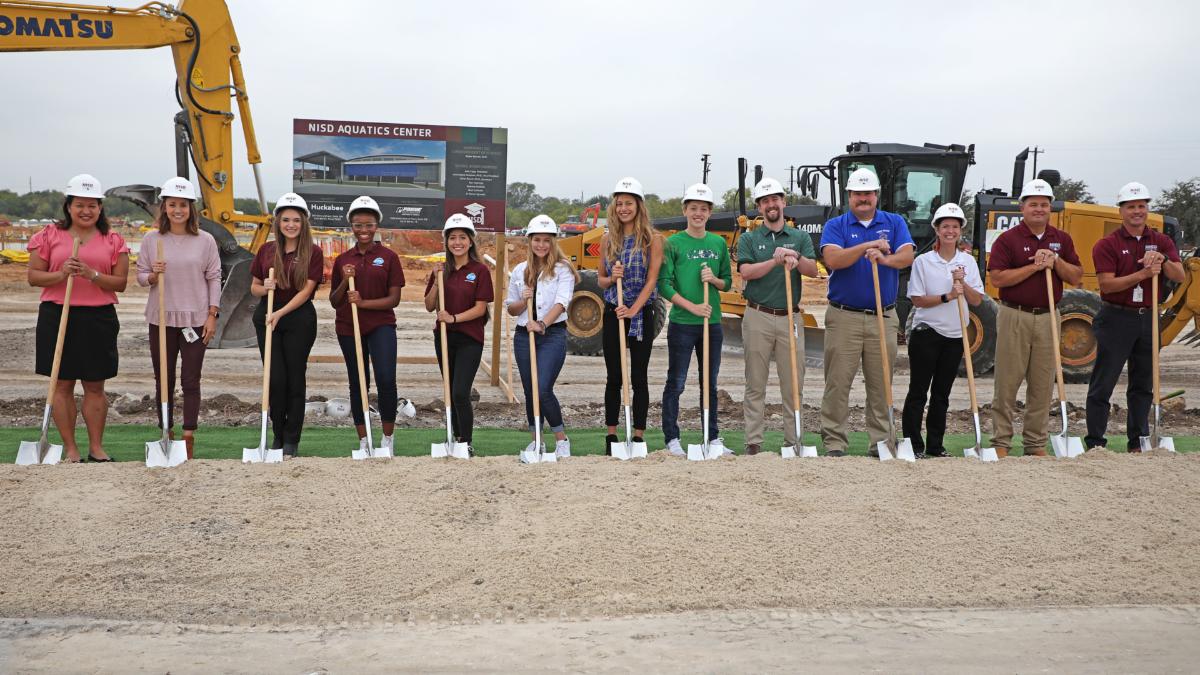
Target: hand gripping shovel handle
[(787, 286), (361, 368), (441, 284)]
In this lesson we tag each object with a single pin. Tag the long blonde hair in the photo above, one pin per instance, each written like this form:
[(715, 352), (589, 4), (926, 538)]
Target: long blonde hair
[(536, 267), (643, 231), (304, 248)]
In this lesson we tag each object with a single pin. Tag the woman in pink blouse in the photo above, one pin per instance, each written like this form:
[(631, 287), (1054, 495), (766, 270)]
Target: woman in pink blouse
[(193, 296), (101, 270)]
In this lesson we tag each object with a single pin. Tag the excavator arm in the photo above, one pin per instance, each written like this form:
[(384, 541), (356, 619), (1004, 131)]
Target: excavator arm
[(1183, 307), (207, 60)]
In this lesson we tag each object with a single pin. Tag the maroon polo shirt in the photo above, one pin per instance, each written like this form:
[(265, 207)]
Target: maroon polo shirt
[(1118, 254), (265, 258), (1015, 248), (464, 287), (376, 272)]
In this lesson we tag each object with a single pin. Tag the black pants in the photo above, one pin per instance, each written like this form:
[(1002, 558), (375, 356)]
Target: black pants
[(465, 354), (639, 362), (1121, 336), (290, 345), (933, 363)]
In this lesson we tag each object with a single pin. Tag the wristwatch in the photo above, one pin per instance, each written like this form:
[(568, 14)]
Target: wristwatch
[(95, 274), (945, 299)]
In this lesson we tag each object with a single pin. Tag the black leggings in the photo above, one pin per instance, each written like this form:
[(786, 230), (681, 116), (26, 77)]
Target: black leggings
[(290, 345), (465, 354), (639, 362), (933, 359)]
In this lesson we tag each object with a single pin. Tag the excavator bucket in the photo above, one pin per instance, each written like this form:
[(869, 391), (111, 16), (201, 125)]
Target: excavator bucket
[(814, 340), (234, 327)]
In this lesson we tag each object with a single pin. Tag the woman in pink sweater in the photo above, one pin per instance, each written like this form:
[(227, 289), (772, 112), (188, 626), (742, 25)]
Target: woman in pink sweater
[(191, 269)]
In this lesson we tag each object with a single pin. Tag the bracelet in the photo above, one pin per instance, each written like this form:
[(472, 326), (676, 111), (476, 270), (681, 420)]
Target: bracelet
[(95, 275), (455, 317)]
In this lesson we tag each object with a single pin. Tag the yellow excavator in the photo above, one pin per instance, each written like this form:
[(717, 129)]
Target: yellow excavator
[(209, 74)]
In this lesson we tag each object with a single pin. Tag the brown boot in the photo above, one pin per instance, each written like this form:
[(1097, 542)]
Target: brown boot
[(189, 440), (1002, 452), (1036, 452)]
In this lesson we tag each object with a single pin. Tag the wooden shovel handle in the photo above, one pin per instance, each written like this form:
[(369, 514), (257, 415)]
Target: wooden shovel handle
[(787, 286), (962, 321), (358, 354), (883, 353), (533, 366), (624, 356), (62, 329), (163, 397), (270, 330), (1056, 348), (441, 284)]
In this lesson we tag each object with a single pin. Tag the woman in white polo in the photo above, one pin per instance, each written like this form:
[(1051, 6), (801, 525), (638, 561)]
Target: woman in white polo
[(935, 348)]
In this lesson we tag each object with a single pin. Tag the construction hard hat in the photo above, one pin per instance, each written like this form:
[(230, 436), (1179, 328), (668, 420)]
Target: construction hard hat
[(950, 210), (542, 224), (291, 200), (699, 193), (364, 203), (85, 185), (1131, 192), (337, 407), (862, 180), (630, 186), (767, 187), (458, 222), (178, 187), (1037, 188)]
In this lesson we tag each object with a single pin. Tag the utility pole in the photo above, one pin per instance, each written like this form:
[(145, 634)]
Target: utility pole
[(1036, 151), (706, 166), (791, 179)]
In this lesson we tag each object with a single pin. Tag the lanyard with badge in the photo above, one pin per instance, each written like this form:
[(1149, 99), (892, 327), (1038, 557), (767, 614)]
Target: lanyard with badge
[(1139, 294)]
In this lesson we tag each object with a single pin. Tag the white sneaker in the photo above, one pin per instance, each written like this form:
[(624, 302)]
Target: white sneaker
[(362, 444), (675, 448), (720, 443), (562, 448), (531, 448), (387, 444)]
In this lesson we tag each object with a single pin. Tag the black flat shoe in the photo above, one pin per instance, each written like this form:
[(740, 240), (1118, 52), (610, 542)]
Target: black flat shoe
[(97, 459)]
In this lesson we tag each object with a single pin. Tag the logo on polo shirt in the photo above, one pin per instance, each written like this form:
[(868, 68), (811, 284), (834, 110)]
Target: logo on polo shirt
[(1027, 249), (378, 262), (1124, 251), (1054, 246), (470, 276)]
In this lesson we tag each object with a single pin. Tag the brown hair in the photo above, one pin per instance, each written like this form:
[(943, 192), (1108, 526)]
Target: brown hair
[(537, 267), (472, 253), (643, 231), (164, 225), (304, 248)]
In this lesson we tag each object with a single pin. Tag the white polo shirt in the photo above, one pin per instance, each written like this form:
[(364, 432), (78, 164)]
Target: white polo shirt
[(932, 275), (556, 290)]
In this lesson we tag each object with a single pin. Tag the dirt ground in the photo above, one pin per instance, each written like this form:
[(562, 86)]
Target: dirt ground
[(232, 377)]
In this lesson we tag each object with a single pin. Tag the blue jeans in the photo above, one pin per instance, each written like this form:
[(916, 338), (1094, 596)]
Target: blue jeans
[(551, 354), (682, 341), (379, 347)]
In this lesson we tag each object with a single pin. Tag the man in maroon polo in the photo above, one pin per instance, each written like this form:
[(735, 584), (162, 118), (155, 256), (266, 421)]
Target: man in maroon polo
[(1016, 265), (1126, 260)]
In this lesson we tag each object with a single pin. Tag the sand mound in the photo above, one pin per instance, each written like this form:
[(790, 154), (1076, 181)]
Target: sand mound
[(318, 540)]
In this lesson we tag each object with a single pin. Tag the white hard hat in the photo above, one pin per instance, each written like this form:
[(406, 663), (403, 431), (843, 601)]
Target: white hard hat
[(291, 200), (407, 408), (1131, 192), (458, 222), (1037, 188), (700, 193), (364, 203), (542, 224), (337, 407), (862, 180), (631, 186), (767, 187), (178, 187), (950, 210), (85, 185)]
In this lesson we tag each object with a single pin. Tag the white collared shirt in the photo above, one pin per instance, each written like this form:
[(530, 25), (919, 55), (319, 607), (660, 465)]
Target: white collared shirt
[(932, 275), (556, 290)]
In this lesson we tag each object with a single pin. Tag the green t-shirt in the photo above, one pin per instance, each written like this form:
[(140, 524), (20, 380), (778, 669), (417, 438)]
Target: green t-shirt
[(683, 257), (758, 245)]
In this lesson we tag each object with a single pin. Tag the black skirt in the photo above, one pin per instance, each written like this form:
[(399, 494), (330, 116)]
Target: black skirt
[(89, 348)]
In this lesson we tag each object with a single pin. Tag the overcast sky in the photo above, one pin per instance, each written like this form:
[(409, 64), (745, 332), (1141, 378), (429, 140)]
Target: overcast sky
[(592, 91)]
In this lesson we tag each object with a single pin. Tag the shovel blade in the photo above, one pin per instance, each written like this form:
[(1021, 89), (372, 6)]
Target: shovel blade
[(808, 451), (438, 450), (176, 453), (885, 452), (788, 452), (157, 455), (988, 455), (1147, 443), (971, 453), (254, 455), (30, 453), (459, 451), (696, 453), (1066, 447), (621, 451), (638, 450), (904, 451)]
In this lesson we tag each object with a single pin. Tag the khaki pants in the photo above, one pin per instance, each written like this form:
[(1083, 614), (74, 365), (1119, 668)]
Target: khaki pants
[(851, 340), (1024, 353), (765, 337)]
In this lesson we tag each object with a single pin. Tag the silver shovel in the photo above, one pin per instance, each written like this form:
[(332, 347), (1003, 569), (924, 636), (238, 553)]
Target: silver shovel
[(1154, 441), (903, 447), (451, 448), (537, 453), (627, 449), (262, 453), (977, 452), (42, 451), (789, 451), (1063, 445), (164, 453)]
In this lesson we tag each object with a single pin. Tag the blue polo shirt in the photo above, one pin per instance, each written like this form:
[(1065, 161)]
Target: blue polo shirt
[(852, 286)]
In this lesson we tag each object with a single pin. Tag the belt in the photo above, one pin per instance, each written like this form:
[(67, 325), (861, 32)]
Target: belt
[(846, 308), (1023, 308), (1126, 308), (769, 310), (553, 326)]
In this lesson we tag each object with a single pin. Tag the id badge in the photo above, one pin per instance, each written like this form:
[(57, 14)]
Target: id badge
[(189, 334), (1137, 293)]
